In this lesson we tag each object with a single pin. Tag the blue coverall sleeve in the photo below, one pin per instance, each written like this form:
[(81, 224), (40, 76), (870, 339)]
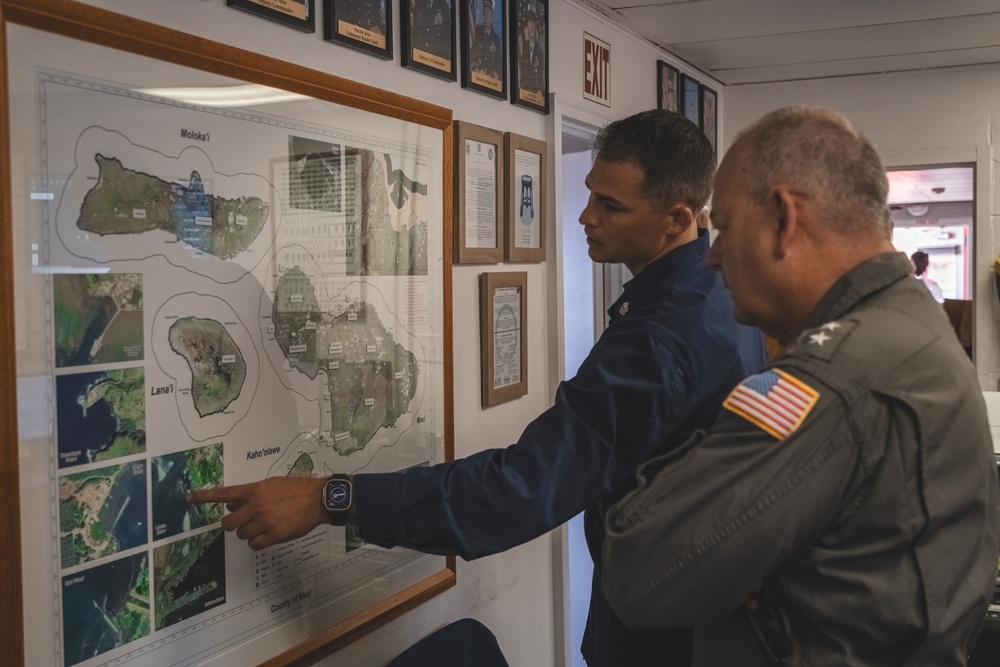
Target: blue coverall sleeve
[(628, 396)]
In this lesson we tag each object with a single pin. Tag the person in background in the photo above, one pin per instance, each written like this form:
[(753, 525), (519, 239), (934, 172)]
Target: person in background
[(656, 375), (843, 510), (920, 262)]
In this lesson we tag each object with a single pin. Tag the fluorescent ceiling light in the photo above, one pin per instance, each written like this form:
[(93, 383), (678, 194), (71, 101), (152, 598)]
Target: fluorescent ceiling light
[(229, 96)]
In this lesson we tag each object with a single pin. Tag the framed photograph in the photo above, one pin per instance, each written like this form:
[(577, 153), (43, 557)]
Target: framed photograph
[(667, 86), (479, 170), (525, 180), (691, 99), (710, 115), (365, 25), (503, 303), (428, 28), (529, 46), (183, 308), (484, 54), (298, 14)]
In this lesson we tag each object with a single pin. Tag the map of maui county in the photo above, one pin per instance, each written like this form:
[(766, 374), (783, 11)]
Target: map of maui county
[(216, 363), (130, 202), (371, 379)]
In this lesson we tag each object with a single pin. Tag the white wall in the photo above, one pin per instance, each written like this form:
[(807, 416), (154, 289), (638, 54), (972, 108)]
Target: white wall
[(512, 593), (916, 118)]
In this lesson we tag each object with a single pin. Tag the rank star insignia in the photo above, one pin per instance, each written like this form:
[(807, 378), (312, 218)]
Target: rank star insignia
[(832, 326), (819, 338), (623, 309)]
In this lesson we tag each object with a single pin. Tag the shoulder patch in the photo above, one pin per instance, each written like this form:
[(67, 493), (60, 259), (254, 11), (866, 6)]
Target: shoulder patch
[(822, 342), (773, 400)]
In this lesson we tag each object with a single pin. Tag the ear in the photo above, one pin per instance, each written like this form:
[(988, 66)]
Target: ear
[(679, 219), (789, 220)]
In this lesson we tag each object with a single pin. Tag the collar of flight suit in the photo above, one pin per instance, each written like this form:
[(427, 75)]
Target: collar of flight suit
[(862, 281)]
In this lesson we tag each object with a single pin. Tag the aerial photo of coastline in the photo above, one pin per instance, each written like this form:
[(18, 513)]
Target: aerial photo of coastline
[(105, 607), (101, 415), (98, 318), (102, 512), (189, 577), (176, 475)]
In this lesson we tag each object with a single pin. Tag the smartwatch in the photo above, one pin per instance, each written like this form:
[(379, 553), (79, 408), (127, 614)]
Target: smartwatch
[(338, 494)]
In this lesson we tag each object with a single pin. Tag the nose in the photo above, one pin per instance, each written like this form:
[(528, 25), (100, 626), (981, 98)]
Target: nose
[(587, 214)]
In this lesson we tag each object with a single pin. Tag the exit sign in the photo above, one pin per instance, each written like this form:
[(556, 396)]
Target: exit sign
[(596, 70)]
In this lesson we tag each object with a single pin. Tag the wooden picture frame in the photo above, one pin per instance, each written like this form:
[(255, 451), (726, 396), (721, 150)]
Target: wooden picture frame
[(484, 47), (364, 25), (526, 182), (691, 99), (503, 303), (306, 599), (479, 194), (428, 39), (667, 86), (529, 48), (298, 14), (710, 115)]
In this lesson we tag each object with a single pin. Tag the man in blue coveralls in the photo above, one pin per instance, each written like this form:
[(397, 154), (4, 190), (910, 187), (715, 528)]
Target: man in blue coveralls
[(658, 373)]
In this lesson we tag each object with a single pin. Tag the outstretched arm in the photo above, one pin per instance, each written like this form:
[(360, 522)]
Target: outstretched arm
[(273, 510)]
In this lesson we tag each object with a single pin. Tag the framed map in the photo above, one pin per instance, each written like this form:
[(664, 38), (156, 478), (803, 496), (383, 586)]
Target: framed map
[(185, 308)]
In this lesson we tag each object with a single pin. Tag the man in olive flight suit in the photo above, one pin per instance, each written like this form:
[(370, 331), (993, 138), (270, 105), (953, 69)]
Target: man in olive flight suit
[(843, 510)]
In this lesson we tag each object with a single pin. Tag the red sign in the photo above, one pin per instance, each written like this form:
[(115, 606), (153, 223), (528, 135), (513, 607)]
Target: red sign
[(596, 70)]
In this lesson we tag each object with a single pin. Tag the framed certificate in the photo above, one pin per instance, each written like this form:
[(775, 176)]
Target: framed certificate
[(503, 299), (479, 203), (525, 186), (184, 308)]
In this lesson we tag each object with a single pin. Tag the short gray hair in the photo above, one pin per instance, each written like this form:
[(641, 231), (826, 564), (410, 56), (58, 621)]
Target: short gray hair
[(821, 154)]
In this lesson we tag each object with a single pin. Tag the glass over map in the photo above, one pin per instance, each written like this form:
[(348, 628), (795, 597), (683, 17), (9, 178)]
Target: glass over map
[(235, 293)]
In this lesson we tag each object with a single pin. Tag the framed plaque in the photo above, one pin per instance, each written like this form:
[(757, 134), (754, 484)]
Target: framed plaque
[(428, 28), (529, 46), (184, 308), (667, 86), (691, 99), (503, 301), (365, 25), (298, 14), (479, 169), (525, 185), (710, 115), (484, 40)]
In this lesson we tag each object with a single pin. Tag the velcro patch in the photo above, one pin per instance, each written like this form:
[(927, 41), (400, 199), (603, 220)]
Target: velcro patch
[(773, 400)]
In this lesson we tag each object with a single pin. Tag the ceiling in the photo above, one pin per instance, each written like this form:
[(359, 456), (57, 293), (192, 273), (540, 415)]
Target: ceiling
[(757, 41)]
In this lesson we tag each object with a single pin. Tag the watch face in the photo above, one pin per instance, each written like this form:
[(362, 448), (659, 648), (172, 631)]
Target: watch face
[(338, 495)]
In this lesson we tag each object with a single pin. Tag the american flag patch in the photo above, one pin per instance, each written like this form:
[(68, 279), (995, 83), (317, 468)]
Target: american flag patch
[(773, 400)]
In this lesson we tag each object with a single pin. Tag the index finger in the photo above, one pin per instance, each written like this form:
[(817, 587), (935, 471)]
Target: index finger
[(220, 494)]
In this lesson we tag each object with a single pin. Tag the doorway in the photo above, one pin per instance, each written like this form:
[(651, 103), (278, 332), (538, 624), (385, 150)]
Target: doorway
[(933, 211)]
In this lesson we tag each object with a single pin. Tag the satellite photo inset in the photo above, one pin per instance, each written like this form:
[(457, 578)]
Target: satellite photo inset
[(189, 577), (102, 512), (97, 318), (315, 179), (105, 607), (101, 415), (216, 363), (176, 475)]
